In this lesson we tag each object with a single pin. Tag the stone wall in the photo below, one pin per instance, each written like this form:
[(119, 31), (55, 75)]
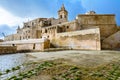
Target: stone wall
[(85, 39), (12, 37), (106, 23), (31, 44), (8, 37), (51, 31), (7, 49), (112, 42), (58, 21)]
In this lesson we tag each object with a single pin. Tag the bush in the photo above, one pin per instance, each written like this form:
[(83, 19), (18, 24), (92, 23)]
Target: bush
[(0, 73), (7, 71)]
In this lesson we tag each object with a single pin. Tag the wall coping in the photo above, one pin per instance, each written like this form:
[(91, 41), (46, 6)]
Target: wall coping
[(29, 41)]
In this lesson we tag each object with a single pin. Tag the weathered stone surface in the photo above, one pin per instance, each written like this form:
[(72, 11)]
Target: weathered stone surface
[(8, 49), (85, 39), (112, 42), (32, 44), (106, 23)]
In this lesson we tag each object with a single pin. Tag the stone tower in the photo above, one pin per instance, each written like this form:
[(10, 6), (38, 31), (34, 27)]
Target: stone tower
[(62, 13), (18, 29)]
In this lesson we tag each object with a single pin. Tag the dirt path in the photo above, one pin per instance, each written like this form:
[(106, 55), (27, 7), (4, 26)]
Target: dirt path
[(84, 58)]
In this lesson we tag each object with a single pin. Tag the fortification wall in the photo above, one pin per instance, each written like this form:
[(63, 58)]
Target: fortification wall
[(12, 37), (112, 42), (106, 23), (7, 49), (85, 39), (31, 44)]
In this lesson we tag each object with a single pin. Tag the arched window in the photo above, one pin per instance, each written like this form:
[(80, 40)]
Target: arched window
[(60, 16)]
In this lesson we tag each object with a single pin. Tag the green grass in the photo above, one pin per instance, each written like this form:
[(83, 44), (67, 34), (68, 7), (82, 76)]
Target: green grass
[(32, 72), (58, 70)]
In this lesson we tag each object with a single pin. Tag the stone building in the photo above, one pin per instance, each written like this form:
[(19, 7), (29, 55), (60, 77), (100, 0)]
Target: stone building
[(87, 29)]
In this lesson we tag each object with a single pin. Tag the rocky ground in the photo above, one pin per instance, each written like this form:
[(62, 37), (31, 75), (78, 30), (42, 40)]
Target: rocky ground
[(72, 65)]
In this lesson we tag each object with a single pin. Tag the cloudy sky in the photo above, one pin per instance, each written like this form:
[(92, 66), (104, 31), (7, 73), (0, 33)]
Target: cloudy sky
[(15, 12)]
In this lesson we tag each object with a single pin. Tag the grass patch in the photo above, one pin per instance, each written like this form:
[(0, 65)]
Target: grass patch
[(59, 70)]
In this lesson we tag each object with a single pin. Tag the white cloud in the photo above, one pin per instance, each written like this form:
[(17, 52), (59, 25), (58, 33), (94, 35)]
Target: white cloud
[(9, 19)]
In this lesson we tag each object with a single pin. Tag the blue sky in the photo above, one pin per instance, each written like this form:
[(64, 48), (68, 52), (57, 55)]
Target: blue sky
[(15, 12)]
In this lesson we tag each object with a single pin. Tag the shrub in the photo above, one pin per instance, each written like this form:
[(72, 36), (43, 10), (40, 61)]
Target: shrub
[(7, 71), (0, 73)]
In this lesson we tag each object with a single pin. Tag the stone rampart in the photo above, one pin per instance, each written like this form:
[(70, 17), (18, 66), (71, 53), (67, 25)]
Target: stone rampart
[(85, 39), (30, 44), (7, 49)]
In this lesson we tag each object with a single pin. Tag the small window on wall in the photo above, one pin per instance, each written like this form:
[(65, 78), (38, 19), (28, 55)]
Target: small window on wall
[(47, 36), (45, 30), (67, 27), (60, 16), (33, 46), (65, 16)]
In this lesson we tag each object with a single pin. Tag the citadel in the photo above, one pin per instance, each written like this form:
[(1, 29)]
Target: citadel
[(89, 31)]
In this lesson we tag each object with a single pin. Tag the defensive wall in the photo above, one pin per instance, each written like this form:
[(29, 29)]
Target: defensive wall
[(31, 44), (106, 23), (88, 39), (7, 49)]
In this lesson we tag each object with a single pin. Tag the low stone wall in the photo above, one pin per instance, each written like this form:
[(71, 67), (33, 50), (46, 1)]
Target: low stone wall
[(7, 49), (31, 44), (84, 39)]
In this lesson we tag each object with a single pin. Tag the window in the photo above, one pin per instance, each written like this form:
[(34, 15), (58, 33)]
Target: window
[(28, 26), (65, 16), (60, 16), (13, 44), (45, 30), (33, 46), (67, 27)]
